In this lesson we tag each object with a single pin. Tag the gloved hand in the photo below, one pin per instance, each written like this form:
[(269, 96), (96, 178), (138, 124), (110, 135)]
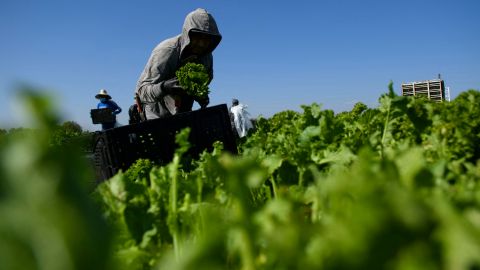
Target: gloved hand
[(172, 87), (203, 102)]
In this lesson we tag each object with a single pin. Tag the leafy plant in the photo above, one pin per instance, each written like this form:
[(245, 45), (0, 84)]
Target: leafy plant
[(392, 187), (48, 220)]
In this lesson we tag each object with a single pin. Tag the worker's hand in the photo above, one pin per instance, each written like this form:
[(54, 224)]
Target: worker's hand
[(203, 102), (172, 87)]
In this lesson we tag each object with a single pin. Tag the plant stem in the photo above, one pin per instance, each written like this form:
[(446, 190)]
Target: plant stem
[(385, 129), (274, 187), (173, 207)]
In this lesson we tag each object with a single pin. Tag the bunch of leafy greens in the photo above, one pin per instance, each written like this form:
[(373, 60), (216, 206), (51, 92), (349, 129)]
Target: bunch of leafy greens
[(194, 79)]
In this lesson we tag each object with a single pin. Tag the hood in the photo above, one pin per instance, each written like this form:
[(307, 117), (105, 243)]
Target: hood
[(200, 20)]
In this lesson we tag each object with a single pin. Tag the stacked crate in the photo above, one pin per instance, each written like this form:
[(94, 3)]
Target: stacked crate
[(432, 89)]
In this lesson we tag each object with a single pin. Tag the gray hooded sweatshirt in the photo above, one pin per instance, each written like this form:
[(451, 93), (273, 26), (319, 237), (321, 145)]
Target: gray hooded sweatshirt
[(167, 58)]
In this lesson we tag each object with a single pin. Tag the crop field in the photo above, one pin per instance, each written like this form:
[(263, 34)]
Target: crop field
[(391, 187)]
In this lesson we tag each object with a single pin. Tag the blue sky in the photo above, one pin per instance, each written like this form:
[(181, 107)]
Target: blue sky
[(275, 55)]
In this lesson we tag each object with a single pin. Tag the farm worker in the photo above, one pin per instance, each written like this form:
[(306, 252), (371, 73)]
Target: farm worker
[(107, 102), (158, 88), (241, 118), (134, 114)]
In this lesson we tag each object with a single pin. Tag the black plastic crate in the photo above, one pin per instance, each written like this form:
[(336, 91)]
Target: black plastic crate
[(118, 148), (100, 116)]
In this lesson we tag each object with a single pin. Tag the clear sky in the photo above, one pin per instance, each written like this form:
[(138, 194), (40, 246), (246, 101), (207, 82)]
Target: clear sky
[(275, 55)]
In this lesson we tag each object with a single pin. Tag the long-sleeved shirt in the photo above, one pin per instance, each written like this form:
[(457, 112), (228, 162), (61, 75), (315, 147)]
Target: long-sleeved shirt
[(241, 119)]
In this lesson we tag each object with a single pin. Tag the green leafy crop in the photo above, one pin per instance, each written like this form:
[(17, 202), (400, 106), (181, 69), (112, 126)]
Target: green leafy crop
[(194, 79), (391, 187), (48, 220)]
